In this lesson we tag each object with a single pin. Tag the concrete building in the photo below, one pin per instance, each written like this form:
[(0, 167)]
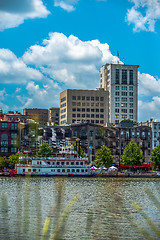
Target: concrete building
[(54, 116), (155, 126), (83, 106), (122, 83), (39, 115)]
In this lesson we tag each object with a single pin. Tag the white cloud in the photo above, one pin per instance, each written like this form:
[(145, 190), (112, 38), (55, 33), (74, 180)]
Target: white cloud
[(148, 85), (148, 110), (14, 70), (13, 13), (67, 5), (144, 14), (69, 60)]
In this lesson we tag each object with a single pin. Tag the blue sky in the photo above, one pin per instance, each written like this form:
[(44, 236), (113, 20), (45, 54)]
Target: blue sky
[(51, 45)]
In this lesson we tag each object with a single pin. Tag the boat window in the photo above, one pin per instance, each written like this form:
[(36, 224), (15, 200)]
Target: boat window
[(62, 163), (67, 163), (40, 162), (58, 170), (86, 170), (77, 170), (37, 162), (57, 163), (81, 163), (82, 170), (52, 163), (72, 163), (73, 170), (68, 170), (48, 163), (63, 170), (34, 170), (29, 170), (77, 163), (23, 170), (39, 170)]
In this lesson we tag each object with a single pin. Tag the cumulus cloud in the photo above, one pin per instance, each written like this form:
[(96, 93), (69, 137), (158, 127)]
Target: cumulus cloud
[(144, 14), (150, 109), (69, 60), (14, 70), (13, 13), (148, 85), (68, 5)]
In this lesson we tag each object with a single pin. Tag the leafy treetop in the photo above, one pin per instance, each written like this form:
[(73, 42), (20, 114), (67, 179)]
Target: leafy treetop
[(132, 154), (104, 157), (45, 148), (155, 156)]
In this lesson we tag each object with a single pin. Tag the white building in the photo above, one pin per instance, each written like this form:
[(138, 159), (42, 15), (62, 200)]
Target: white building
[(155, 133), (122, 83)]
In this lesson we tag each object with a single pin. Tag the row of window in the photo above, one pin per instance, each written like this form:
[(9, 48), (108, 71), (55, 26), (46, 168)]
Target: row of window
[(13, 125), (123, 93), (117, 99), (63, 105), (124, 116), (124, 79), (83, 104), (64, 163), (124, 88), (89, 115), (117, 110), (5, 150), (88, 98), (90, 121), (87, 110), (123, 105), (59, 170)]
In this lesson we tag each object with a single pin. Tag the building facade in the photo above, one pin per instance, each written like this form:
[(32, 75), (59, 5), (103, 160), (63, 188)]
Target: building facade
[(54, 116), (39, 115), (121, 81), (84, 106)]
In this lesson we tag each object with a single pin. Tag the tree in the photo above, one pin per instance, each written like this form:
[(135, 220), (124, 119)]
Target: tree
[(132, 154), (13, 159), (4, 163), (104, 157), (45, 148), (76, 148), (155, 156)]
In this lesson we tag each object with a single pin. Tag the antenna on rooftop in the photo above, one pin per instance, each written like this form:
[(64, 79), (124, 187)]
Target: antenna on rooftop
[(118, 56), (123, 60)]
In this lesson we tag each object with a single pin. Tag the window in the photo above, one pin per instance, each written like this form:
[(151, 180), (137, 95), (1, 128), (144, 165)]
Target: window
[(13, 141), (101, 99), (13, 135), (117, 99), (4, 139), (97, 98), (88, 98), (117, 76), (83, 115), (130, 93), (116, 115), (88, 109), (78, 104), (73, 170), (92, 98), (124, 93), (73, 97), (63, 99), (78, 115), (124, 88), (124, 110), (4, 125), (83, 98), (124, 116), (88, 115), (83, 109), (117, 110), (97, 115), (4, 149), (78, 97), (130, 88), (131, 77), (101, 110), (92, 109), (117, 93), (73, 109), (73, 115), (117, 88), (13, 150), (97, 121), (78, 109), (91, 143), (123, 104), (97, 110), (101, 116), (91, 133), (130, 110), (116, 104), (131, 105), (124, 76), (124, 99), (131, 99), (92, 104), (92, 115)]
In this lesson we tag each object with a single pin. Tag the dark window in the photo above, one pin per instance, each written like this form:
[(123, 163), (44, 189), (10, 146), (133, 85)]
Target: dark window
[(73, 97), (131, 77), (92, 98), (124, 76), (117, 76), (4, 125)]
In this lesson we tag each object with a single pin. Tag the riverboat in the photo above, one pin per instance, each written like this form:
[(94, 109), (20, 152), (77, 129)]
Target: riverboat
[(65, 163)]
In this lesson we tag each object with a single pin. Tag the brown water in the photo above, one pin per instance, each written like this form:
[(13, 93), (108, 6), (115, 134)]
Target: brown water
[(102, 211)]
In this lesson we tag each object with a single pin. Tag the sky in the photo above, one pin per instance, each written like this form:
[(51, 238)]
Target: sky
[(47, 46)]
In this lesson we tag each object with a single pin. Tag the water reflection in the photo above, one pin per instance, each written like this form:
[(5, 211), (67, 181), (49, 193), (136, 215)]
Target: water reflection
[(100, 212)]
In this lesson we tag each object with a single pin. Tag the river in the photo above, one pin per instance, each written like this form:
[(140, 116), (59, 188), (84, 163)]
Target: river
[(103, 210)]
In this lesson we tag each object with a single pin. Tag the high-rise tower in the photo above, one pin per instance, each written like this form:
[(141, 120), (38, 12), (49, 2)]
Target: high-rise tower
[(122, 83)]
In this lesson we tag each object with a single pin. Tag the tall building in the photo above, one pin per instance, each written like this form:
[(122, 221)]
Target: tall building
[(121, 81), (84, 106), (54, 116), (39, 115)]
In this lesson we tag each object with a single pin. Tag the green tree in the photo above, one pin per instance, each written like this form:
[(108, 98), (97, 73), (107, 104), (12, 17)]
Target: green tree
[(82, 154), (45, 148), (132, 154), (13, 159), (104, 157), (155, 156), (4, 162)]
